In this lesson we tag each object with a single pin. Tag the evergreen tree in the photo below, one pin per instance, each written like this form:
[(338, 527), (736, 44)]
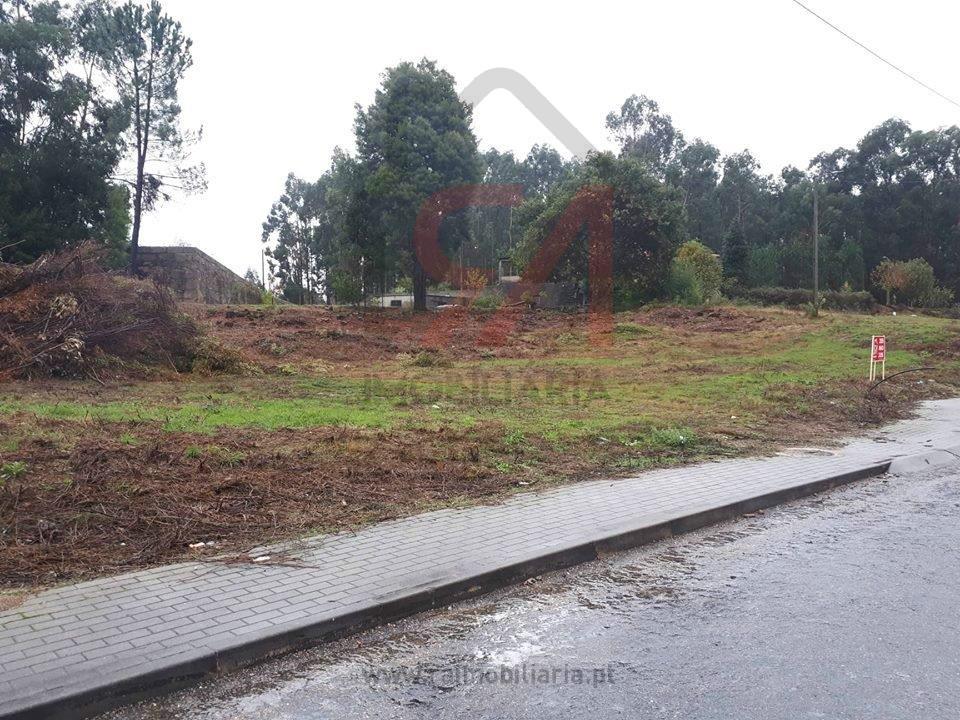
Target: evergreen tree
[(735, 254)]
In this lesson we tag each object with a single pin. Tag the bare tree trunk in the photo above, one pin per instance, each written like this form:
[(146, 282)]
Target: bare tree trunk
[(142, 120), (137, 215)]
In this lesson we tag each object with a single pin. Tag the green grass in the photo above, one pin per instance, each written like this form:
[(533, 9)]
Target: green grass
[(653, 378), (226, 411)]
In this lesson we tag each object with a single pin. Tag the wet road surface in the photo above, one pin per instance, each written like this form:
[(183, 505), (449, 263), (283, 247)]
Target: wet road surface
[(846, 605)]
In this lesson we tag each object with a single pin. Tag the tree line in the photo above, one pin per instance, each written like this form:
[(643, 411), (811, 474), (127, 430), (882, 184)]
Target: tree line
[(90, 131), (346, 236), (91, 139)]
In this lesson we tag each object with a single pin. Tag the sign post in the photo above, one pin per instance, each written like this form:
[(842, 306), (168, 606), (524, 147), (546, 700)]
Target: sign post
[(878, 356)]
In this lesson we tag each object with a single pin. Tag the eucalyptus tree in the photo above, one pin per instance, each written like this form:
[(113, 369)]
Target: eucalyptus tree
[(643, 131), (290, 230)]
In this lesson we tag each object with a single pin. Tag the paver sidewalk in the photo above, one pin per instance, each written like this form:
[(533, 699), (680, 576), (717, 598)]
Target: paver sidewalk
[(77, 649)]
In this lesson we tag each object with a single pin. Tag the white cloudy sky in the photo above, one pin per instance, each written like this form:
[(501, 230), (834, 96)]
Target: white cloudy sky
[(274, 84)]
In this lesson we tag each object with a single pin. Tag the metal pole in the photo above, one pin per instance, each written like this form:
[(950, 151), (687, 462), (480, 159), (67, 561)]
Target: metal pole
[(816, 251)]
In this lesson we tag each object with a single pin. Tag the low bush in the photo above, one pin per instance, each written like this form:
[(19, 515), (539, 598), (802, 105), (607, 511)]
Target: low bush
[(487, 301), (705, 265), (683, 286), (802, 297), (912, 283)]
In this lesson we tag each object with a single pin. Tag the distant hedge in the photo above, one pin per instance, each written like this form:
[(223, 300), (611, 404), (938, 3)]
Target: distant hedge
[(799, 297)]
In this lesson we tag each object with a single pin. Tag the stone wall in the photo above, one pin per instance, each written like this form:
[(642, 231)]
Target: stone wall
[(194, 276)]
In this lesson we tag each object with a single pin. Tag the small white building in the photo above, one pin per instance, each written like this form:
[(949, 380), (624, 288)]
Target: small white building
[(401, 301)]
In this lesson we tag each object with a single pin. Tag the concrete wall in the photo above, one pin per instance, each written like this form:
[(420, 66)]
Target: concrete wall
[(551, 295), (194, 276)]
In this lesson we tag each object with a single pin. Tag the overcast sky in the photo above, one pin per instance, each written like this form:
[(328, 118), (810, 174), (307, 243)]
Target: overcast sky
[(274, 84)]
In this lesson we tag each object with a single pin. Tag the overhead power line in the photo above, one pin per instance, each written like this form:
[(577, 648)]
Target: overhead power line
[(879, 57)]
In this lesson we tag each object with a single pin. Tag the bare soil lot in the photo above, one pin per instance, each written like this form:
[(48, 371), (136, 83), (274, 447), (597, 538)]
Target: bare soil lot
[(342, 417)]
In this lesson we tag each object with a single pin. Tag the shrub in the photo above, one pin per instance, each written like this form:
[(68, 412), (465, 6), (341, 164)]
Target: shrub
[(346, 287), (487, 301), (911, 282), (939, 297), (920, 286), (705, 265), (683, 286), (889, 277), (801, 298)]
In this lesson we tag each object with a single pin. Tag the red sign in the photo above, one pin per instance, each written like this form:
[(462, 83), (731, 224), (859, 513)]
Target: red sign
[(879, 348)]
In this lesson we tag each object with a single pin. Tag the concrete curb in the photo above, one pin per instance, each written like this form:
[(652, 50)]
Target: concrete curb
[(180, 672), (925, 461)]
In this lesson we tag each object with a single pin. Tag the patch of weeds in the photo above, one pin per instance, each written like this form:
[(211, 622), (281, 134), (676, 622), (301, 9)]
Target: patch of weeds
[(629, 462), (270, 347), (226, 457), (631, 329), (11, 471), (288, 370), (662, 439), (569, 338), (503, 467), (57, 484), (319, 367), (11, 445), (515, 439), (128, 439), (193, 452), (672, 438), (423, 359)]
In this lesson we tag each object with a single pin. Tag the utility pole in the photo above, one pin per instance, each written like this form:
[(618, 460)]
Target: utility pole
[(816, 251), (263, 269)]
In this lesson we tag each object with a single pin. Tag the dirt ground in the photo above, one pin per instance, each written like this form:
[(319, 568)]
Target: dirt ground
[(108, 477)]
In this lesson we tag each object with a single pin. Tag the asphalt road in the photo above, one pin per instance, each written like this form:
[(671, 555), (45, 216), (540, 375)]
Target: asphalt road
[(846, 605)]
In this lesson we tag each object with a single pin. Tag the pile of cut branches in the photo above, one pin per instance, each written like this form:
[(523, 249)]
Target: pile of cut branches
[(65, 315)]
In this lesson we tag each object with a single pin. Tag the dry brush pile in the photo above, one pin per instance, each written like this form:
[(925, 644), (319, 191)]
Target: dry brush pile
[(65, 315)]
